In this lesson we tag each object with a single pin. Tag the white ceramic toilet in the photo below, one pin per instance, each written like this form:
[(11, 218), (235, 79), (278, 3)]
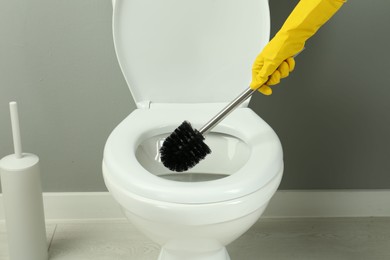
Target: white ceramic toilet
[(185, 60)]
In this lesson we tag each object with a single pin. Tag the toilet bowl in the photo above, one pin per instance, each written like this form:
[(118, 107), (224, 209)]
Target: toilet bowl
[(196, 213), (168, 54)]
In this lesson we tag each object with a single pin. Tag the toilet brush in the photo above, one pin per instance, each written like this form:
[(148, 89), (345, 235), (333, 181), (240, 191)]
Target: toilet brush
[(184, 148), (22, 197)]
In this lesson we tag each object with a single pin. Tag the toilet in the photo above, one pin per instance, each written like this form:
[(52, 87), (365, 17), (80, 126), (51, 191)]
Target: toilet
[(185, 60)]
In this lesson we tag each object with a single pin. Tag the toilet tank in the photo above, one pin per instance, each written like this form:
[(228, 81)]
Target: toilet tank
[(188, 51)]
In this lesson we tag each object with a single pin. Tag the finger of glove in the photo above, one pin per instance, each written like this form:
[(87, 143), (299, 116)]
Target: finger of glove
[(284, 69), (274, 78), (257, 82), (291, 63), (266, 90), (260, 77)]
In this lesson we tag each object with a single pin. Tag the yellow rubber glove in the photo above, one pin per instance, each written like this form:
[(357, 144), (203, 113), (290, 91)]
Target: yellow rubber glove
[(282, 71), (304, 21)]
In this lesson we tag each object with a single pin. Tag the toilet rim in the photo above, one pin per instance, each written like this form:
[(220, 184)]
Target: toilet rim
[(119, 156)]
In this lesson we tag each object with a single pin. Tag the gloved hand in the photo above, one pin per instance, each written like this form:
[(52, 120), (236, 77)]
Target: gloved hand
[(282, 71), (304, 21)]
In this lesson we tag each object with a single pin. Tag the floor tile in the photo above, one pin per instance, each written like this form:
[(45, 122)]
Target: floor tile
[(108, 241), (4, 253), (315, 239), (270, 239)]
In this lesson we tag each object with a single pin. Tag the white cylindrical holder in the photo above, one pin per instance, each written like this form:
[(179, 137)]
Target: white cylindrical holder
[(23, 206), (23, 202)]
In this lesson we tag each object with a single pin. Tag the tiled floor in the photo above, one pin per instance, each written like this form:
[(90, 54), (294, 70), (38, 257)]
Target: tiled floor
[(274, 239)]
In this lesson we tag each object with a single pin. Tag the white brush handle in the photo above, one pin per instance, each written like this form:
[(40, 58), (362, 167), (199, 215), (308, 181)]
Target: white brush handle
[(13, 106)]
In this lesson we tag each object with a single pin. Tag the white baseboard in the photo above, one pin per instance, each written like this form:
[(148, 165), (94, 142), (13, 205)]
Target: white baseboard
[(100, 206), (330, 203)]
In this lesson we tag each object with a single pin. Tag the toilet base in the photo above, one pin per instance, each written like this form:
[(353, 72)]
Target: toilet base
[(195, 250)]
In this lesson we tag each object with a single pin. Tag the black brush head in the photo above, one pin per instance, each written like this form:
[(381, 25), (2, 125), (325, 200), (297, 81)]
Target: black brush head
[(183, 149)]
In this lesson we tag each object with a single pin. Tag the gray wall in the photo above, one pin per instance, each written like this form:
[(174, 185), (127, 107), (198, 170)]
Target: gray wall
[(332, 114), (57, 60)]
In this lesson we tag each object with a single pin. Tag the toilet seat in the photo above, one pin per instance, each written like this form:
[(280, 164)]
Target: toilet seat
[(122, 167), (186, 61)]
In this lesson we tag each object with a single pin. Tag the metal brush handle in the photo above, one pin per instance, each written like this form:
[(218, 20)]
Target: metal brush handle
[(227, 110), (230, 107)]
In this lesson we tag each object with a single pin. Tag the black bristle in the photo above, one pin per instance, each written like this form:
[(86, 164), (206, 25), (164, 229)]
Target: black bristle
[(183, 149)]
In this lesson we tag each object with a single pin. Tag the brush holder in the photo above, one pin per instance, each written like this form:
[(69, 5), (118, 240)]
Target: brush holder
[(23, 206)]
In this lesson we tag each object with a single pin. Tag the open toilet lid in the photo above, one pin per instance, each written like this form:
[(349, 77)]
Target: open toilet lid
[(185, 51)]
